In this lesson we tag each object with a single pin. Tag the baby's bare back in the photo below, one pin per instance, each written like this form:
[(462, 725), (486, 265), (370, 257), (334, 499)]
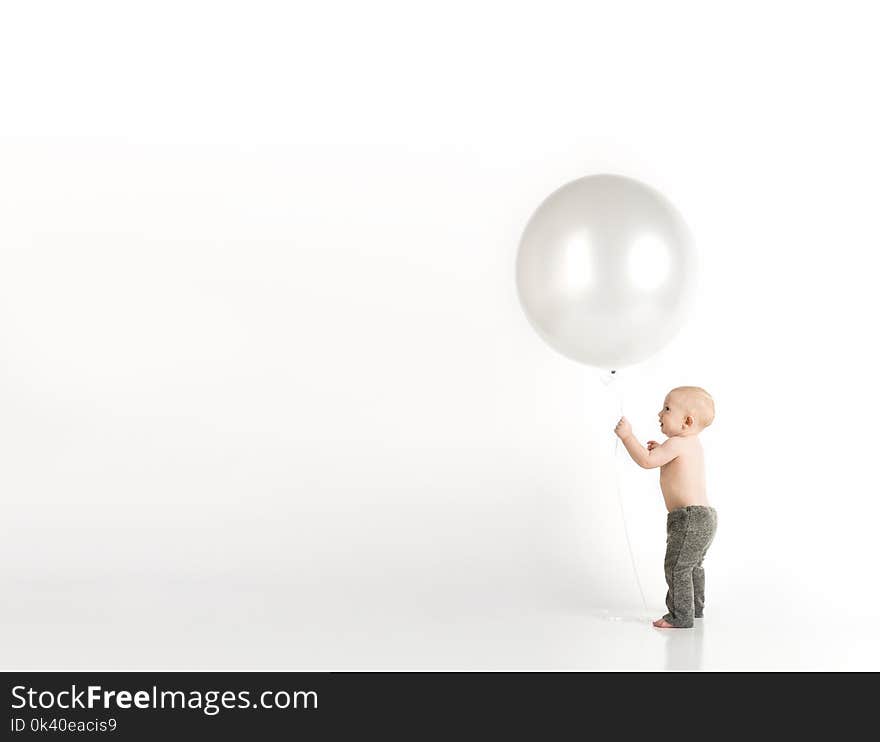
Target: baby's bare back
[(683, 480)]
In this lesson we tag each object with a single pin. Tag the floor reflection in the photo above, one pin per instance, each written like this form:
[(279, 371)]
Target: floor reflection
[(684, 647)]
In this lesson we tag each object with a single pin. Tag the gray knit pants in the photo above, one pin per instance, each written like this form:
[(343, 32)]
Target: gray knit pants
[(689, 533)]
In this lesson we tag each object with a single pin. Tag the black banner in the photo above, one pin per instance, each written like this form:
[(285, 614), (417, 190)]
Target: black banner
[(270, 705)]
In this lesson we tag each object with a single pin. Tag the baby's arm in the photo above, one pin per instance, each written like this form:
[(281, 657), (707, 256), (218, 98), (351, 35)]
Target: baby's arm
[(657, 456), (660, 454)]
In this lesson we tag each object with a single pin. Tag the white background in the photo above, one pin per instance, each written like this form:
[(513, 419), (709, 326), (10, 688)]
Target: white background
[(268, 399)]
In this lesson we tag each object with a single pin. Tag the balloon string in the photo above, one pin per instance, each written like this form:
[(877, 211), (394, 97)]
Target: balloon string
[(632, 557)]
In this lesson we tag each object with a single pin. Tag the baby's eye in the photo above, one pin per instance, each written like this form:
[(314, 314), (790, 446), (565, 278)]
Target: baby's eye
[(667, 409)]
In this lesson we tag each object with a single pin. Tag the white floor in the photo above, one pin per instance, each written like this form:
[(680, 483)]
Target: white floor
[(153, 622)]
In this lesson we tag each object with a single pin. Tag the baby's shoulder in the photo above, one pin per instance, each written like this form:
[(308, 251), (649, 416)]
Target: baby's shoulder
[(688, 444)]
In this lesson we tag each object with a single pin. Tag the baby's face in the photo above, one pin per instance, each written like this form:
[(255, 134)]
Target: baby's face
[(672, 415)]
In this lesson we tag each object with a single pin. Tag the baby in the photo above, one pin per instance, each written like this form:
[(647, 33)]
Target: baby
[(690, 523)]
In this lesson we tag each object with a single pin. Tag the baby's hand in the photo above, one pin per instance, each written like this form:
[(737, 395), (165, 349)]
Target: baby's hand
[(623, 428), (652, 445)]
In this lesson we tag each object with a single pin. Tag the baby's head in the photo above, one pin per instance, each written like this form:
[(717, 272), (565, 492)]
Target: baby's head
[(687, 410)]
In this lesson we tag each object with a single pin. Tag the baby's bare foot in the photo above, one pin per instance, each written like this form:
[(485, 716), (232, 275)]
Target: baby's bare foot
[(661, 624)]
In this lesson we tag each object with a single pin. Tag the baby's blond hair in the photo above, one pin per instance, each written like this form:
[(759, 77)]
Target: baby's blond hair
[(698, 403)]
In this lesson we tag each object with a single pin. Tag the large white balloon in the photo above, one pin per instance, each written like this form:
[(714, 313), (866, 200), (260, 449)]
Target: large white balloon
[(606, 270)]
